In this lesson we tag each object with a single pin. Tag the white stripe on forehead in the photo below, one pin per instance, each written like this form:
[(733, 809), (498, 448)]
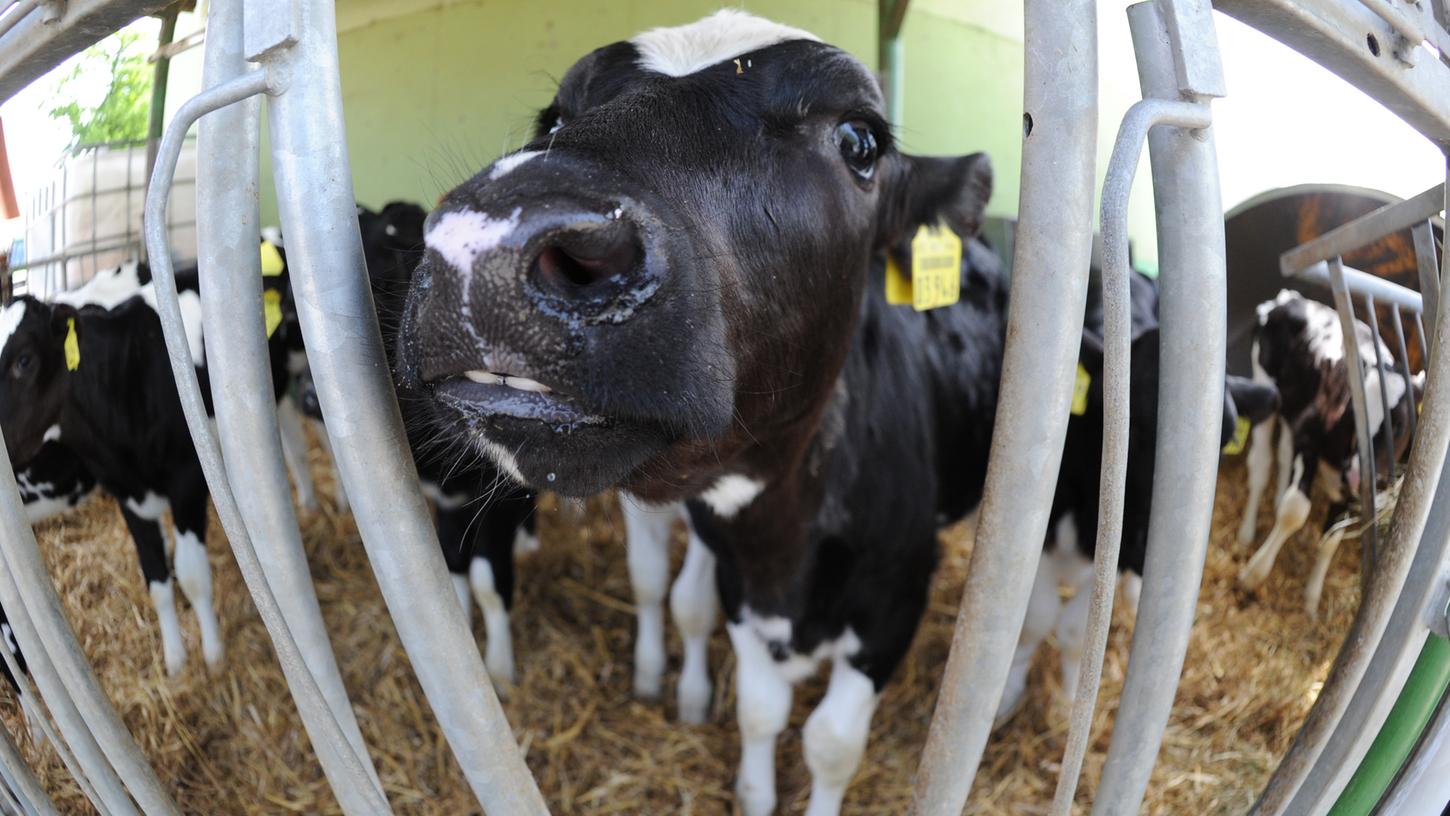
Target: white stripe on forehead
[(727, 33), (10, 318)]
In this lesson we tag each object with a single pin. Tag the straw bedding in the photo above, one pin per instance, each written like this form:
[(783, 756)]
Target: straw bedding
[(233, 743)]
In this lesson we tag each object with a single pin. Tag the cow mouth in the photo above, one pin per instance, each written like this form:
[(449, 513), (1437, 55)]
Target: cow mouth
[(481, 395)]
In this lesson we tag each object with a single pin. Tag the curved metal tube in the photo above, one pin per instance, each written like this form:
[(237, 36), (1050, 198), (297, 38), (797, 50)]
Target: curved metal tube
[(1190, 403), (345, 772), (227, 226), (23, 783), (339, 322), (32, 705), (1117, 354), (90, 725), (1049, 280)]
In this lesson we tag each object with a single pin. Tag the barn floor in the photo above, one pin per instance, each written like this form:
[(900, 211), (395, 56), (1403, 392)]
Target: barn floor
[(233, 743)]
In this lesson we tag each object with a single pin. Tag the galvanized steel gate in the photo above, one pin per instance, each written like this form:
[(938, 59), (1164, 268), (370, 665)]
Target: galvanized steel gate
[(284, 51)]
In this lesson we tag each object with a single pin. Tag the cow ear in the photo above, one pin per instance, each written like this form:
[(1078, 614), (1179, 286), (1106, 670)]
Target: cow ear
[(60, 316), (1257, 401), (934, 189)]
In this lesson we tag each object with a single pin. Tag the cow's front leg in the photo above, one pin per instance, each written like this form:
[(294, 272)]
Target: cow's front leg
[(762, 705), (835, 736), (695, 605), (193, 570), (142, 520), (647, 549)]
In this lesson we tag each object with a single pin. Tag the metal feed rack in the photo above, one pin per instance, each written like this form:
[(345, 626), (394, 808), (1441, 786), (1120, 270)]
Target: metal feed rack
[(285, 51)]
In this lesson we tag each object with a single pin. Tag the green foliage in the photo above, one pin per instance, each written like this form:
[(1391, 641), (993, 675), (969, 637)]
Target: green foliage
[(123, 112)]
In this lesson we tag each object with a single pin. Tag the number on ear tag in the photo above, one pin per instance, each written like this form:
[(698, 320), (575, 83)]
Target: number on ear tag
[(936, 268)]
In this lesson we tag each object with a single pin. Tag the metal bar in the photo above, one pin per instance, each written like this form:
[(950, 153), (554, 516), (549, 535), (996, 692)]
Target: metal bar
[(349, 779), (1049, 280), (24, 785), (34, 45), (34, 709), (1402, 25), (339, 321), (1392, 623), (1423, 234), (1423, 340), (891, 57), (1386, 420), (1424, 780), (1363, 283), (56, 661), (228, 223), (1397, 324), (1190, 405), (1344, 306), (15, 13), (1337, 35), (1366, 229), (1117, 347)]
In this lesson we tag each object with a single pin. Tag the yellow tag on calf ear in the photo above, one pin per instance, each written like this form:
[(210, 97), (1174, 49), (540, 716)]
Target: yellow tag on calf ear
[(72, 346), (1080, 388), (898, 286), (272, 263), (1241, 437), (936, 268), (272, 310)]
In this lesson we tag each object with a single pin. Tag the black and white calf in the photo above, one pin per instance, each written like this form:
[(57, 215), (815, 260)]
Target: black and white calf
[(93, 364), (1072, 528), (687, 264), (1299, 347)]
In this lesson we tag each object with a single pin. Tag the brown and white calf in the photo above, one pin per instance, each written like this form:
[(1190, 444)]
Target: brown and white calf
[(1299, 347), (686, 265)]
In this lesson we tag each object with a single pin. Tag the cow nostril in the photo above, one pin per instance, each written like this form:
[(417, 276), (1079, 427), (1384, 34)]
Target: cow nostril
[(587, 258)]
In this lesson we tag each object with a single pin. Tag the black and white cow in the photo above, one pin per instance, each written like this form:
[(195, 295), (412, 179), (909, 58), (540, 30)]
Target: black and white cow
[(685, 270), (93, 365), (482, 518), (1073, 522), (1299, 347)]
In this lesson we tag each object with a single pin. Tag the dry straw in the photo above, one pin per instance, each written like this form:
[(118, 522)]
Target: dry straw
[(233, 743)]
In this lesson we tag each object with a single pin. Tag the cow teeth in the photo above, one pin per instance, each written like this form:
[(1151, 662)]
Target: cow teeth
[(526, 384), (486, 377)]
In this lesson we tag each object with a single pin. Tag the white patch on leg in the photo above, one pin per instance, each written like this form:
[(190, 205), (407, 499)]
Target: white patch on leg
[(193, 572), (682, 50), (1071, 632), (731, 493), (1292, 512), (1284, 462), (149, 508), (498, 653), (647, 542), (694, 604), (464, 593), (525, 542), (508, 163), (460, 236), (1042, 609), (762, 705), (1322, 560), (1132, 591), (294, 451), (1260, 459), (173, 649), (835, 736)]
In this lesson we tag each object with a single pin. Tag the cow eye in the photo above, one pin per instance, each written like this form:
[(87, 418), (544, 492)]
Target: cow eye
[(857, 143), (21, 365)]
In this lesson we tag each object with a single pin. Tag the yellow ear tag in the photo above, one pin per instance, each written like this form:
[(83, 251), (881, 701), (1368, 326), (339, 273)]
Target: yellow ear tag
[(1241, 436), (272, 310), (936, 268), (272, 264), (72, 346), (898, 286), (1080, 388)]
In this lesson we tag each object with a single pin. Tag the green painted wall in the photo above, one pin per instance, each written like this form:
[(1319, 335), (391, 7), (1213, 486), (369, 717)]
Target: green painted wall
[(434, 90)]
